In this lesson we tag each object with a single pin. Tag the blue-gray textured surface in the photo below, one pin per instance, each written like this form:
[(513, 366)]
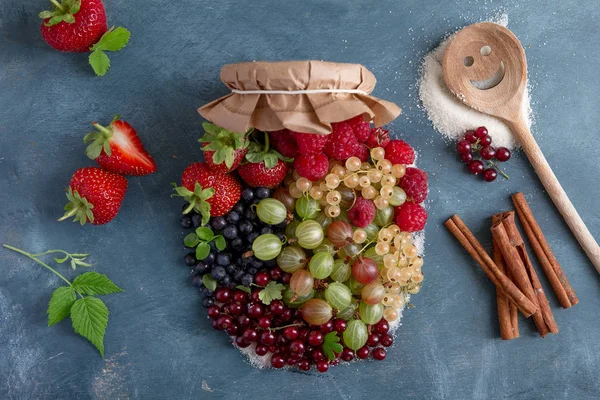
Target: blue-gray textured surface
[(158, 345)]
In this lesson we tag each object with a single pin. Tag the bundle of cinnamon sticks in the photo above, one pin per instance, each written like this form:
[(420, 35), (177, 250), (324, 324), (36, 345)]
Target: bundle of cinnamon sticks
[(510, 269)]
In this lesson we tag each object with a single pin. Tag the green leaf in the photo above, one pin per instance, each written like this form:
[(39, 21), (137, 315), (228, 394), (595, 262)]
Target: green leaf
[(205, 233), (191, 240), (73, 265), (271, 160), (331, 344), (89, 317), (202, 250), (46, 14), (100, 63), (113, 40), (68, 18), (81, 263), (220, 242), (271, 292), (209, 282), (92, 283), (204, 210), (60, 304), (254, 157), (207, 193), (211, 128), (244, 289)]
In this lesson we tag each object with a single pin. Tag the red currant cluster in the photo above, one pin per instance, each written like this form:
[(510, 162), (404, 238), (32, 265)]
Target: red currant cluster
[(280, 331), (479, 141)]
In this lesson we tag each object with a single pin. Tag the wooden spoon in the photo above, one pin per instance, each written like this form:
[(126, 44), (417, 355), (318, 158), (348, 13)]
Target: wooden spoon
[(485, 66)]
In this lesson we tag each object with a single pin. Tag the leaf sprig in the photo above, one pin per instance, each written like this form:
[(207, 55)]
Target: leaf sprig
[(331, 345), (112, 40), (89, 314), (271, 292), (201, 238)]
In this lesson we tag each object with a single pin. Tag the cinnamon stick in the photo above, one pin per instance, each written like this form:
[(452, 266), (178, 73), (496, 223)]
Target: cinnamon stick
[(544, 320), (507, 311), (466, 238), (555, 274)]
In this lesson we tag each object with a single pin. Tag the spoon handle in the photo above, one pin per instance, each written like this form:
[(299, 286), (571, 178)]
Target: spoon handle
[(555, 190)]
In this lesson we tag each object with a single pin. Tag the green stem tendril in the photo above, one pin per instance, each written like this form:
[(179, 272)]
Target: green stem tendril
[(33, 257), (57, 5)]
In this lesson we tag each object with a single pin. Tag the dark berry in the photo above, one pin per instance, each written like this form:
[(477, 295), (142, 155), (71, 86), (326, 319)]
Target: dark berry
[(490, 175), (487, 153), (197, 280), (285, 277), (266, 229), (252, 237), (481, 132), (463, 146), (223, 259), (201, 268), (248, 194), (218, 223), (218, 272), (207, 292), (275, 273), (239, 208), (262, 193), (196, 220), (470, 136), (230, 269), (476, 167), (185, 221), (250, 215), (207, 302), (502, 154), (190, 260), (261, 278), (379, 353), (210, 258), (230, 232), (245, 227), (238, 275), (233, 217), (280, 236)]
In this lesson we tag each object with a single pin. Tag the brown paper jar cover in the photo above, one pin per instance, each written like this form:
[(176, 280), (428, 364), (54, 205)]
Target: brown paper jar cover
[(312, 112)]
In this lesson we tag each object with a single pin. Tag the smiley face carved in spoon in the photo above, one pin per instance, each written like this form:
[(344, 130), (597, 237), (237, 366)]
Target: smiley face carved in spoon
[(480, 62)]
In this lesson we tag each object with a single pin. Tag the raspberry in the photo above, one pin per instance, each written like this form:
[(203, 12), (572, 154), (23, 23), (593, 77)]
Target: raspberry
[(312, 166), (410, 217), (361, 129), (309, 143), (399, 152), (362, 152), (342, 144), (414, 183), (362, 212), (378, 138), (284, 143)]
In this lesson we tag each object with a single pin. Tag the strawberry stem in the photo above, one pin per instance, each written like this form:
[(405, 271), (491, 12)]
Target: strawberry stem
[(107, 132), (69, 213), (266, 142), (57, 5)]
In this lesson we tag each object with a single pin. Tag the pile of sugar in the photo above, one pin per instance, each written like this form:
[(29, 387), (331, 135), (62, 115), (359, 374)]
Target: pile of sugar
[(447, 113)]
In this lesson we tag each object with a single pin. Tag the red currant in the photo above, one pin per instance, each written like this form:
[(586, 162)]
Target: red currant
[(264, 322), (304, 364), (240, 342), (275, 273), (481, 132), (213, 312), (297, 347), (487, 153), (250, 335), (240, 296), (224, 321), (379, 353), (285, 279), (278, 361), (485, 141), (262, 278), (347, 354), (466, 157), (382, 326), (490, 175), (314, 338), (222, 295), (267, 338), (362, 353), (243, 320), (502, 154), (291, 333), (373, 340), (322, 366), (340, 325), (317, 355), (254, 310), (470, 136), (476, 167), (327, 327), (463, 146), (386, 340), (261, 350)]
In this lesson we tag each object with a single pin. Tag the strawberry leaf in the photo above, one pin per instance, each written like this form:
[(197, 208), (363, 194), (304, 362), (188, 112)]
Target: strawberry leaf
[(223, 143), (331, 344), (197, 200), (99, 62), (78, 207), (61, 12), (112, 40)]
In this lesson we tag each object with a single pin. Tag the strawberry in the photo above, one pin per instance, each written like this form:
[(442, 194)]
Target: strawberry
[(118, 148), (95, 195), (223, 150), (74, 25), (210, 193), (265, 167)]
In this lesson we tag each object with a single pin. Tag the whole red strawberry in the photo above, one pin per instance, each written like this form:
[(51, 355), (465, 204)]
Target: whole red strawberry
[(209, 193), (223, 150), (312, 166), (119, 149), (95, 195), (342, 142), (399, 152), (414, 183), (309, 143), (74, 25), (265, 167), (379, 137), (410, 217), (361, 129)]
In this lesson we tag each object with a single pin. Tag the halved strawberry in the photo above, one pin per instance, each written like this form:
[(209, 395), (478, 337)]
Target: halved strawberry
[(119, 149), (223, 150)]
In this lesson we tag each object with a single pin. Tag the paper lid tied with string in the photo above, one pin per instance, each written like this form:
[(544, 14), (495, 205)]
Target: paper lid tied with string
[(303, 96)]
